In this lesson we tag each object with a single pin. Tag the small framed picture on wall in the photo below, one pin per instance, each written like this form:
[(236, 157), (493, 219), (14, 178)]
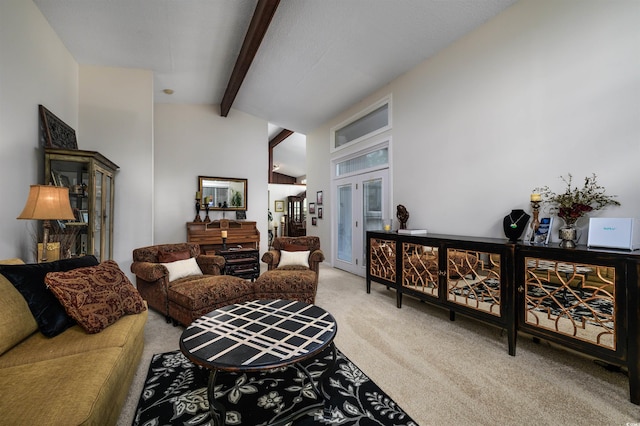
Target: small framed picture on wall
[(319, 198), (279, 205), (314, 221), (319, 212), (312, 208)]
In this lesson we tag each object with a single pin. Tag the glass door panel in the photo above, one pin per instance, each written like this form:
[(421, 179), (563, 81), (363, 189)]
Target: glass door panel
[(108, 221), (372, 211), (362, 204), (97, 215), (345, 218)]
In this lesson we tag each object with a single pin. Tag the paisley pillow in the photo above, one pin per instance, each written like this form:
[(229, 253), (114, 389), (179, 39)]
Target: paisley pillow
[(96, 296)]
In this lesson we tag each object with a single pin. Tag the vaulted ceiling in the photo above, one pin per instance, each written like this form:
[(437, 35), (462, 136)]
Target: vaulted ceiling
[(317, 57)]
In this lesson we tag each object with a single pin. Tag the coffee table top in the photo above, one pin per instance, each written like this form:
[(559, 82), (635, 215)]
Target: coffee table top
[(258, 335)]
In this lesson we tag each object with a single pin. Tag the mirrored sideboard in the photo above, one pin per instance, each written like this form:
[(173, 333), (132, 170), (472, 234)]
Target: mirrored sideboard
[(584, 299)]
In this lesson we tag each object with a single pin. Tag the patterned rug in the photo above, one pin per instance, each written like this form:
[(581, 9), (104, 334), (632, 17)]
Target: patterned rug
[(175, 392)]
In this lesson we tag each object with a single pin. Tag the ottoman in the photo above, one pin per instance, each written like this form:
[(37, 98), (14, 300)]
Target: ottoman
[(192, 299), (289, 284)]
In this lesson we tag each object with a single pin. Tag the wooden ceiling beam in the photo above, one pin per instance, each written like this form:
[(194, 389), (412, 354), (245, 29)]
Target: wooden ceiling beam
[(265, 9), (285, 133)]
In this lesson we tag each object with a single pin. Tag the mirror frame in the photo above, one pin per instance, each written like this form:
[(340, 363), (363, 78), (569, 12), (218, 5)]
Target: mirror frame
[(201, 179)]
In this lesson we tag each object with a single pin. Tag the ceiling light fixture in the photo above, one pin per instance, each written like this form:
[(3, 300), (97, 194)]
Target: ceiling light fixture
[(168, 91), (275, 167)]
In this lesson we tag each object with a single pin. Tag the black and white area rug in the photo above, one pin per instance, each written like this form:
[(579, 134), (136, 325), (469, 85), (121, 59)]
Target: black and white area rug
[(175, 393)]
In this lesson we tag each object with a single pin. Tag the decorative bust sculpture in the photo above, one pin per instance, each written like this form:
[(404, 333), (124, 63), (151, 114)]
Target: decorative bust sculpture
[(403, 216)]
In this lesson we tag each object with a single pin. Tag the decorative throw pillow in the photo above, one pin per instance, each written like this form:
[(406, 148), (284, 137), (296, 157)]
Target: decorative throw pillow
[(96, 296), (17, 323), (172, 256), (294, 258), (50, 315), (294, 247), (182, 268)]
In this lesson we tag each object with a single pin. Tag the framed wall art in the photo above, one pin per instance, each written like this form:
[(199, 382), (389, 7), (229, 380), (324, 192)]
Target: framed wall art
[(55, 132), (314, 221), (312, 208), (319, 212), (279, 204), (319, 198)]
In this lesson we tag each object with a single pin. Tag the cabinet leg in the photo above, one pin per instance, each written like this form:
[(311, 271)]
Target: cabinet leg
[(512, 336), (368, 286), (634, 382), (398, 299), (452, 315)]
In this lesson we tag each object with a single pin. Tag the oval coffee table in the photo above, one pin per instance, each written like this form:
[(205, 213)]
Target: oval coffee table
[(256, 336)]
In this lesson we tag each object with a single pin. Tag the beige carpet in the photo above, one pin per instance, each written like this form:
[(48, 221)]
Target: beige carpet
[(443, 372)]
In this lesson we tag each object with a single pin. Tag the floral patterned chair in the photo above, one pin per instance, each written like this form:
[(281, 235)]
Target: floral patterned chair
[(170, 283), (292, 269)]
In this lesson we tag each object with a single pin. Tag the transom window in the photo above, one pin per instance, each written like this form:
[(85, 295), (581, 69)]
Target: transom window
[(366, 124)]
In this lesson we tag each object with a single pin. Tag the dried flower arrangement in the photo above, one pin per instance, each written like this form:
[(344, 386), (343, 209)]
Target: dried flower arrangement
[(575, 202)]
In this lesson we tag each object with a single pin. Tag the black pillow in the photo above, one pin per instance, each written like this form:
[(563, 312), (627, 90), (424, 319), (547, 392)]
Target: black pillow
[(28, 279)]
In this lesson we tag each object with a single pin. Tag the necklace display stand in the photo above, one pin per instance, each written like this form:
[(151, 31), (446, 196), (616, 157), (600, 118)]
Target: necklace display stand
[(515, 223)]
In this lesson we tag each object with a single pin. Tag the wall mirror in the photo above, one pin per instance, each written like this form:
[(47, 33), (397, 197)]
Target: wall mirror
[(222, 193)]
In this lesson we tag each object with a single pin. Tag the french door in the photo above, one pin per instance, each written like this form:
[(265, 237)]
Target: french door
[(362, 203)]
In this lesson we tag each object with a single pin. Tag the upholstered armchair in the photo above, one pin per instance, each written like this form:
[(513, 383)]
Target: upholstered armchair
[(292, 269), (152, 278)]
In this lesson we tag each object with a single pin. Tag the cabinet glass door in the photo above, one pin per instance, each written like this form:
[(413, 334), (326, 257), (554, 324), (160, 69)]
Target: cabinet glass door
[(474, 280), (97, 215), (107, 219), (420, 267), (573, 299)]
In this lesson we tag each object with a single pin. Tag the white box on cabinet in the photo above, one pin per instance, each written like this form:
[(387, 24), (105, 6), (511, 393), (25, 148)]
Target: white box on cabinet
[(614, 232)]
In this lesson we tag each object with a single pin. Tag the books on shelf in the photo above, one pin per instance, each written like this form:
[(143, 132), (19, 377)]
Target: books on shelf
[(412, 231)]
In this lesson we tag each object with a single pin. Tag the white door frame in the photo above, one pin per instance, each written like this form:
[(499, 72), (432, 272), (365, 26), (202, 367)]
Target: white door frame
[(383, 171)]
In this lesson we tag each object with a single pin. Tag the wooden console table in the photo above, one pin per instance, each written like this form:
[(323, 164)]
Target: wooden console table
[(240, 234), (585, 299)]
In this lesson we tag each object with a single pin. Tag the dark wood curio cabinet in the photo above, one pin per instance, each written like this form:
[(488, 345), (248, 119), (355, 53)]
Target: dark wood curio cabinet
[(90, 178), (583, 299)]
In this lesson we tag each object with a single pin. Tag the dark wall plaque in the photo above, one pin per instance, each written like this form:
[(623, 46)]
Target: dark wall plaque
[(56, 133)]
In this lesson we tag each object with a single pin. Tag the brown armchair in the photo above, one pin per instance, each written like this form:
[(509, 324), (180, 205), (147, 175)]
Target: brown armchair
[(295, 280), (152, 278)]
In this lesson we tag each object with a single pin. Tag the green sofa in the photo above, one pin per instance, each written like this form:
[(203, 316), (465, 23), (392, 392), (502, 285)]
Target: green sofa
[(74, 378)]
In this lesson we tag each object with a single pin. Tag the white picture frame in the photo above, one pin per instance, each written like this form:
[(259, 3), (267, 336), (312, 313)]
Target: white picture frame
[(542, 235)]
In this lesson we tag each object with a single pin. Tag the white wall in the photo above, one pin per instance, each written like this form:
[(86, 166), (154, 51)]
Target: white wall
[(35, 68), (116, 119), (194, 140), (544, 89)]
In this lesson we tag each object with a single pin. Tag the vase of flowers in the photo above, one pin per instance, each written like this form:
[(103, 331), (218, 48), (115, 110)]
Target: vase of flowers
[(574, 203)]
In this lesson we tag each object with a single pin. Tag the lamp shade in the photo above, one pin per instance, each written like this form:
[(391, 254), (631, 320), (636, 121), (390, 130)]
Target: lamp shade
[(47, 202)]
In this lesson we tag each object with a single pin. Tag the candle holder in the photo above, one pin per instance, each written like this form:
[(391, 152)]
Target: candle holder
[(224, 243), (206, 218), (275, 230), (535, 223), (197, 218)]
